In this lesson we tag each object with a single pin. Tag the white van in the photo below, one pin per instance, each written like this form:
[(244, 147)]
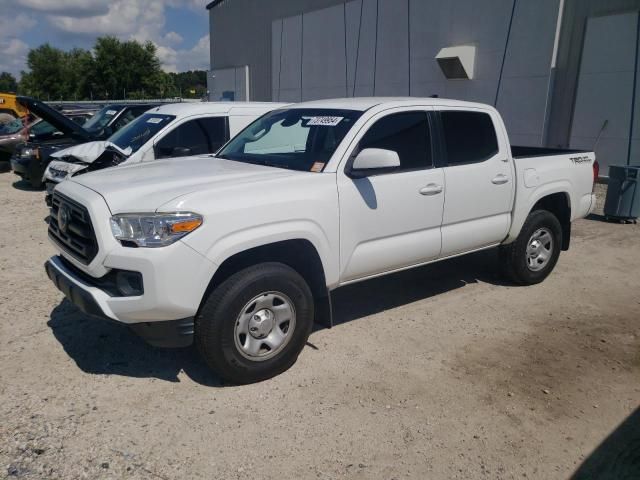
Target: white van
[(174, 130)]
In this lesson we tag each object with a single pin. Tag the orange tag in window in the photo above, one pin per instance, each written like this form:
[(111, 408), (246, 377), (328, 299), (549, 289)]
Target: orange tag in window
[(317, 167)]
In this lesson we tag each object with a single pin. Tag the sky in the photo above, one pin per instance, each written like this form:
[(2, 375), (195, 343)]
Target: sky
[(179, 28)]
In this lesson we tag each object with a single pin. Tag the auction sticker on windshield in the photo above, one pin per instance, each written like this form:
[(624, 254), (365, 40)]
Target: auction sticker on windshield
[(155, 120), (325, 121), (111, 112)]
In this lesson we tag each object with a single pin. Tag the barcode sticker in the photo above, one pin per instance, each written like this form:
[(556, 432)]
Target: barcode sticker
[(325, 121), (317, 167)]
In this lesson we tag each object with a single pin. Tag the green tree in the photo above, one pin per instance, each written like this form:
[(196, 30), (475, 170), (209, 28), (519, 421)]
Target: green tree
[(79, 66), (46, 76), (113, 69), (128, 69), (8, 82), (191, 84)]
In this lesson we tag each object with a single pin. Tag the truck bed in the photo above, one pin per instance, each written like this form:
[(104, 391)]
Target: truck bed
[(521, 152)]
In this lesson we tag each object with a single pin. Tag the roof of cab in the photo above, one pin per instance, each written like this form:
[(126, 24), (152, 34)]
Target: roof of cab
[(197, 108), (365, 103)]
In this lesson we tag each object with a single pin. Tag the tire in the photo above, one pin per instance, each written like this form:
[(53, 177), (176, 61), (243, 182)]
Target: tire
[(524, 259), (236, 317)]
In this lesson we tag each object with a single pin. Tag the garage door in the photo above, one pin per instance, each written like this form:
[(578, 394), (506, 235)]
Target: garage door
[(606, 85)]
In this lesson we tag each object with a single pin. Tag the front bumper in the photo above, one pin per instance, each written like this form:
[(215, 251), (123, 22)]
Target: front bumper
[(20, 166), (91, 300), (175, 277)]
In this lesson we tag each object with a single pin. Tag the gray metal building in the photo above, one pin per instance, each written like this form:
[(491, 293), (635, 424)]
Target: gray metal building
[(562, 72)]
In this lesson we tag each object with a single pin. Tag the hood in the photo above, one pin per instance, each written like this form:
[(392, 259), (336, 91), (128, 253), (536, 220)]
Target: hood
[(55, 118), (146, 187), (85, 152)]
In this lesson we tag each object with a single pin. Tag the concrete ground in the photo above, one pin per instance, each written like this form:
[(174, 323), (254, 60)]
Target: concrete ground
[(441, 372)]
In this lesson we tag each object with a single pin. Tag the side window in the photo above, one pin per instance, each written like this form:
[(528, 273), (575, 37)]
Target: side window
[(123, 119), (469, 137), (216, 128), (407, 134), (187, 139)]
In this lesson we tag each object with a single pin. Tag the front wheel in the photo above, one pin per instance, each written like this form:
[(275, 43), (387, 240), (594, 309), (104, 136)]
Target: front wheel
[(533, 255), (254, 325)]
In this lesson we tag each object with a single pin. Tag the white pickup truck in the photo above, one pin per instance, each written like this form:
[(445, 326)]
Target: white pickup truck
[(173, 130), (241, 252)]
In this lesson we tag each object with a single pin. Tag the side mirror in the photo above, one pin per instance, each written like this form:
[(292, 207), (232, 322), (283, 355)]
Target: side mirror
[(369, 160), (180, 152)]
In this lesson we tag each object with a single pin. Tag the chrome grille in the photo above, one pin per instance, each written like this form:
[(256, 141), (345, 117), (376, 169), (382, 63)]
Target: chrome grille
[(71, 229)]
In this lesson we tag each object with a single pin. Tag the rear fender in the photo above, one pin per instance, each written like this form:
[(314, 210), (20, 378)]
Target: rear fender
[(525, 201)]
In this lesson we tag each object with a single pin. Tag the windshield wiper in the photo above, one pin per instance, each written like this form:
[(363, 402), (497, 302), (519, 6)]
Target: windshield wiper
[(264, 163)]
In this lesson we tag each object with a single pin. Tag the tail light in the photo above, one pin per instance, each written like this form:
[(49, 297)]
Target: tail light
[(596, 172)]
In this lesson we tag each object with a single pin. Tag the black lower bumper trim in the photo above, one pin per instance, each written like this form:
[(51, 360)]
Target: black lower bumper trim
[(166, 334), (76, 295)]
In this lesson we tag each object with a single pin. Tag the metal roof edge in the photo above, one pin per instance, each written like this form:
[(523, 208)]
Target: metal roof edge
[(213, 4)]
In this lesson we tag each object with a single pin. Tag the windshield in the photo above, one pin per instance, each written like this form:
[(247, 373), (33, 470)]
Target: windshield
[(101, 119), (13, 126), (138, 132), (42, 128), (298, 138)]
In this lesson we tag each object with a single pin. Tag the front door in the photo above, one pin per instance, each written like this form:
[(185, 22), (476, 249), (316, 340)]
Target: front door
[(391, 220)]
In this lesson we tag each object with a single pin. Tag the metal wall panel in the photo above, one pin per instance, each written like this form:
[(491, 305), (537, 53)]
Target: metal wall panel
[(392, 49), (324, 68), (276, 44), (366, 50), (241, 34), (569, 55), (604, 99), (388, 47), (429, 23), (435, 24), (228, 84), (352, 25), (291, 60), (526, 77)]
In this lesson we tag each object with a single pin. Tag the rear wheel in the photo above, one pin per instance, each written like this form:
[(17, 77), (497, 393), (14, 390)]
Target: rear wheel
[(534, 254), (255, 324)]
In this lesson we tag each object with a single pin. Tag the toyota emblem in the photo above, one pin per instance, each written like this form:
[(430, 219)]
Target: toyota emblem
[(64, 216)]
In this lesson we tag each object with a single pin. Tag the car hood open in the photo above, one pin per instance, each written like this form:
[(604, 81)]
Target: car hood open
[(55, 118)]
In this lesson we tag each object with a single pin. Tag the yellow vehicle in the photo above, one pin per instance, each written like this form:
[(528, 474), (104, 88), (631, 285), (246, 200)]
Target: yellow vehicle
[(9, 104)]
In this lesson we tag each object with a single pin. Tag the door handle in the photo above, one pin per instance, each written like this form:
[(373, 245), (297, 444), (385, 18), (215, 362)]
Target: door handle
[(500, 179), (431, 189)]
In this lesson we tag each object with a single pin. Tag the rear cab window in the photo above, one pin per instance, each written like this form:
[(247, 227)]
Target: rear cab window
[(468, 136)]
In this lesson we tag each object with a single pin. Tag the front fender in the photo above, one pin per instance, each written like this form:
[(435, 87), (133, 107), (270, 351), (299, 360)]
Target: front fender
[(259, 235)]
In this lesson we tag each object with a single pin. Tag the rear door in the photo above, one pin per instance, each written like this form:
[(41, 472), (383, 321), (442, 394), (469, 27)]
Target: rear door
[(479, 183), (391, 220)]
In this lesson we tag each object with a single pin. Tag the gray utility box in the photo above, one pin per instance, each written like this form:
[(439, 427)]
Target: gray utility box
[(623, 194)]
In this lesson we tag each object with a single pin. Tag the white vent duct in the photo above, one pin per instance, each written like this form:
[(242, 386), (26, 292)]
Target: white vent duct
[(457, 62)]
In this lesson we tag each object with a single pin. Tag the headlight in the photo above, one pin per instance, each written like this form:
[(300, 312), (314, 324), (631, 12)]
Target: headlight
[(30, 152), (154, 229)]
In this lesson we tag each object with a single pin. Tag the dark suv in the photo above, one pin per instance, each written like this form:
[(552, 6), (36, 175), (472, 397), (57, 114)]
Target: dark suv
[(31, 158)]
